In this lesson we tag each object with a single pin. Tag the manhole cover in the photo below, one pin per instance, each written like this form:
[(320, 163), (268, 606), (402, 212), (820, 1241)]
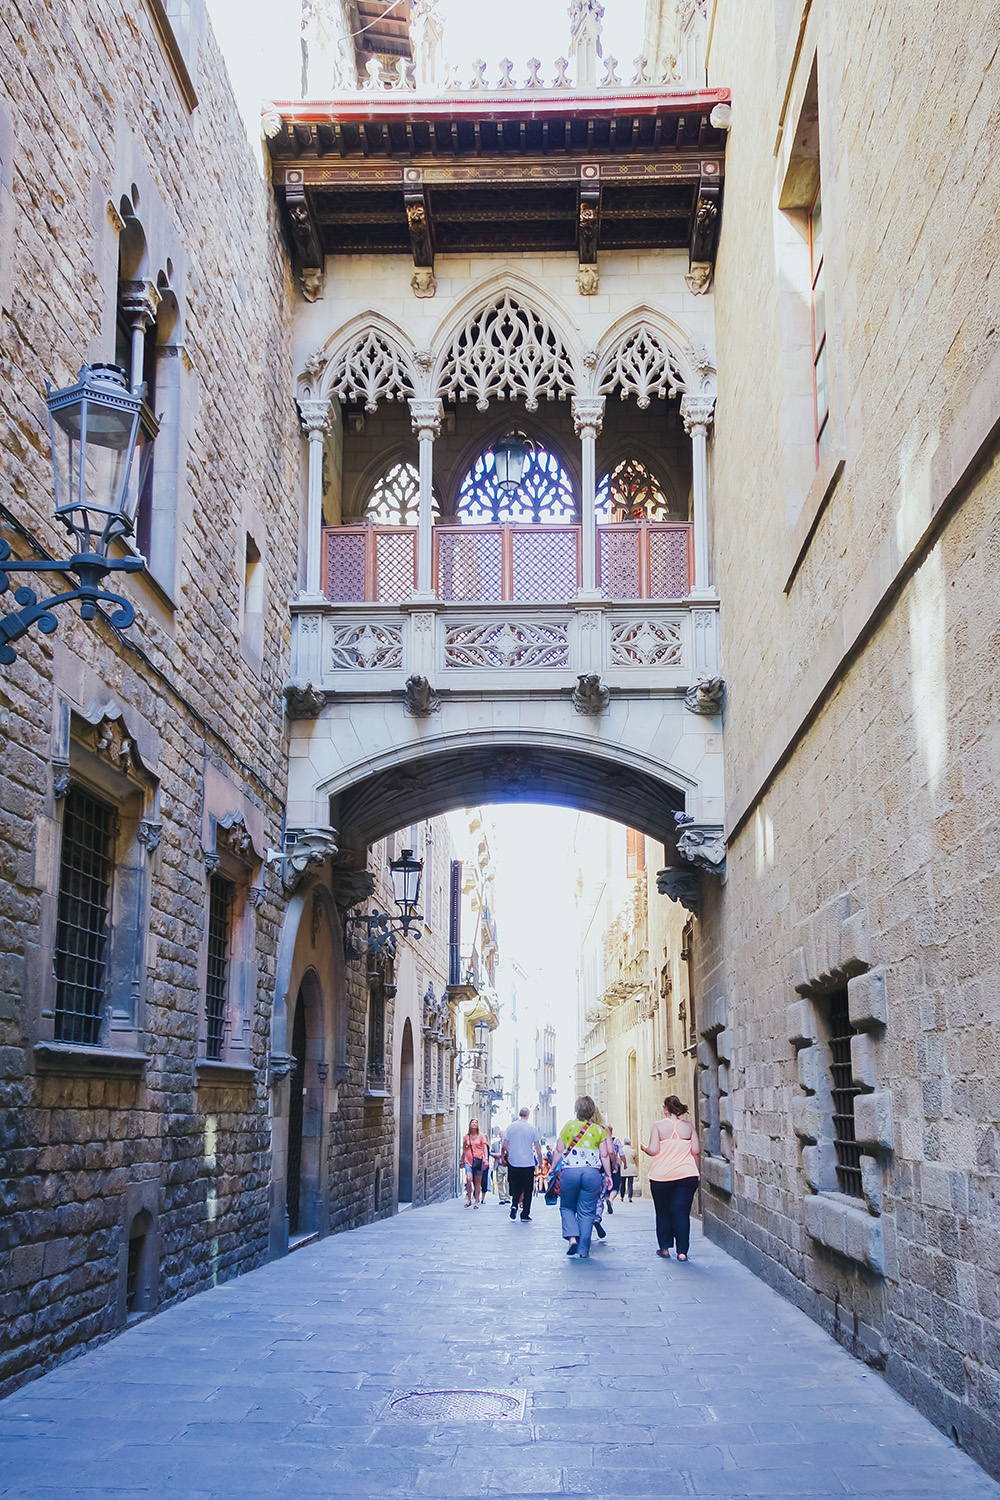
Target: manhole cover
[(458, 1406)]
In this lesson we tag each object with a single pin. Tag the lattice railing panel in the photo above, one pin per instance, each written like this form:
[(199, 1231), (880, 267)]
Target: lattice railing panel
[(395, 565), (506, 643), (470, 564), (618, 562), (544, 564), (367, 646), (346, 566), (646, 643), (669, 566)]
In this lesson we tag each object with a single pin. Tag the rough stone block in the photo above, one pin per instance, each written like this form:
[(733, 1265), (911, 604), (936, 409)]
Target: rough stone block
[(873, 1119), (863, 1061), (807, 1120), (866, 999), (855, 945), (724, 1045), (718, 1173), (801, 1023), (706, 1055), (871, 1183), (812, 1069)]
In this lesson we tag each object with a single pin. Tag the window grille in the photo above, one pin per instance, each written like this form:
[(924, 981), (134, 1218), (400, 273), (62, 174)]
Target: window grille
[(545, 493), (844, 1094), (83, 911), (220, 913), (630, 493), (376, 1034)]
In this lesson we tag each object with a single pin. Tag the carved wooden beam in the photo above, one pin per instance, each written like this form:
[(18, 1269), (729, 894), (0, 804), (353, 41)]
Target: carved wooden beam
[(305, 231), (705, 222)]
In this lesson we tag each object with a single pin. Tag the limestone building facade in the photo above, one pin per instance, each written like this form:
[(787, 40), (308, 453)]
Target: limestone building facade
[(849, 966)]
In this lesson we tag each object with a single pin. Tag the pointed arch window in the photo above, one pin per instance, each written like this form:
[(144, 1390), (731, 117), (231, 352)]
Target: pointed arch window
[(544, 494), (631, 493)]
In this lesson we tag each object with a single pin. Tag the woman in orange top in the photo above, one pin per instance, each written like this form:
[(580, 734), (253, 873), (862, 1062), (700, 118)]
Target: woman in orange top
[(475, 1158), (673, 1177)]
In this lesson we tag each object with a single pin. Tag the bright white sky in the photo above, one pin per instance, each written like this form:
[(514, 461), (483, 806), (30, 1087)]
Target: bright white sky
[(262, 49)]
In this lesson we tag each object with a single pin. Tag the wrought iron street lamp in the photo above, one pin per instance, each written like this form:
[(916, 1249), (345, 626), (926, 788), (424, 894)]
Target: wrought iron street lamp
[(380, 928), (482, 1031), (93, 427), (510, 458)]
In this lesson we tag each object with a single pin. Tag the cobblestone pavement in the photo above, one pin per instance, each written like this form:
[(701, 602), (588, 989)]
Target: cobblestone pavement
[(642, 1378)]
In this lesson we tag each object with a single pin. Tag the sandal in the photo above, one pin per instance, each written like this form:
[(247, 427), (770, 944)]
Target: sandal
[(663, 1254), (680, 1256), (571, 1249)]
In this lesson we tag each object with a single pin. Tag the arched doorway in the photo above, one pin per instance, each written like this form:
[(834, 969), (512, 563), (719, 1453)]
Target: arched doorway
[(406, 1101), (295, 1116)]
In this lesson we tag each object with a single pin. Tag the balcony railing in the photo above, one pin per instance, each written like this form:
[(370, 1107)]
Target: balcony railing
[(515, 564)]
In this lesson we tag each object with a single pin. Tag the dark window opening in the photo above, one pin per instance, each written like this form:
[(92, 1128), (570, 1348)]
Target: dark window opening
[(83, 912), (220, 909), (136, 1245), (844, 1094), (378, 978)]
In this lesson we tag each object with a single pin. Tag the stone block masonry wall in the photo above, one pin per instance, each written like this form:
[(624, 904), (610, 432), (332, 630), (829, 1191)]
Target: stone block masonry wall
[(863, 761), (90, 111)]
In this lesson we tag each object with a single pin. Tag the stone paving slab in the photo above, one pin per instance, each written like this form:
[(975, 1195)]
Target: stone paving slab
[(643, 1378)]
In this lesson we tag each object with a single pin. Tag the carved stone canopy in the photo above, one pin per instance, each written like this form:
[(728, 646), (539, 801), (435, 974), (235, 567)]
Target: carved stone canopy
[(233, 836), (102, 730)]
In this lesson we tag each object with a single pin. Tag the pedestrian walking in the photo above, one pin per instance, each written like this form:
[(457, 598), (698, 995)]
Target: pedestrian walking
[(498, 1168), (628, 1169), (521, 1148), (581, 1159), (475, 1160), (673, 1177), (616, 1166)]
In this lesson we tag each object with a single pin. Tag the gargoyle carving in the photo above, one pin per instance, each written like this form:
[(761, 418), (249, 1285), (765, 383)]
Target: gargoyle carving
[(590, 696), (302, 700), (706, 695), (419, 698)]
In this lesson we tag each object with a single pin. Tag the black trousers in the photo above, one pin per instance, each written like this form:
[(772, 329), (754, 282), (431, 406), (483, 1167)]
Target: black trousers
[(627, 1185), (521, 1181), (672, 1201)]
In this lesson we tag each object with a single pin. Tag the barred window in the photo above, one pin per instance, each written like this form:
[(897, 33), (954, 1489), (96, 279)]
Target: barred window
[(220, 913), (82, 929), (844, 1094)]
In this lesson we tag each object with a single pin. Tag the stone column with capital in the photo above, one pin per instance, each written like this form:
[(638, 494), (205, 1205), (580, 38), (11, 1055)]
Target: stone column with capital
[(314, 412), (426, 417), (140, 302), (697, 413), (588, 419)]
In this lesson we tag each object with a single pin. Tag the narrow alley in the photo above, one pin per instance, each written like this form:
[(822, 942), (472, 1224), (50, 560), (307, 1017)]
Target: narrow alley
[(623, 1376)]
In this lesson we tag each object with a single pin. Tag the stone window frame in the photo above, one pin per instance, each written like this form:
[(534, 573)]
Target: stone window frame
[(851, 1227), (232, 855), (95, 751), (814, 462)]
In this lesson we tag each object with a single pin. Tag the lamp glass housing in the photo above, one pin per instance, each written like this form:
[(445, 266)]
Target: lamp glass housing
[(482, 1031), (510, 458), (405, 873), (93, 426)]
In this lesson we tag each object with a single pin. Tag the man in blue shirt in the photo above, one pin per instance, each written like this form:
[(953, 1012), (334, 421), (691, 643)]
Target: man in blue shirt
[(520, 1145)]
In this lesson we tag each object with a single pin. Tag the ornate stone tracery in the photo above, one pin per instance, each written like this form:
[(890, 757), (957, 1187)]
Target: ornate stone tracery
[(641, 365), (371, 370), (545, 492), (507, 351)]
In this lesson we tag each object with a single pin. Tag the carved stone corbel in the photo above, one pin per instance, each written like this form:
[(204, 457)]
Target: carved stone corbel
[(302, 700), (350, 887), (680, 885), (704, 846), (419, 698), (591, 695), (306, 849), (280, 1064), (149, 833), (706, 696)]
